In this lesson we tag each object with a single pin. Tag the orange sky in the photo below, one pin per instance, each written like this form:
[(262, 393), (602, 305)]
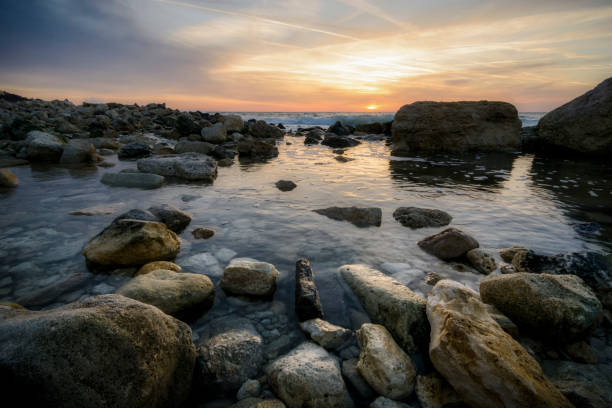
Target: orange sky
[(315, 55)]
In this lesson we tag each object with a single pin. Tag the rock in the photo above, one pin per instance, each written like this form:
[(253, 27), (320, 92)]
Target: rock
[(214, 134), (581, 352), (351, 373), (359, 216), (43, 147), (340, 129), (482, 261), (484, 364), (8, 179), (137, 214), (333, 140), (244, 276), (308, 376), (505, 268), (325, 334), (260, 129), (11, 162), (383, 364), (382, 402), (177, 294), (285, 185), (99, 352), (233, 123), (507, 254), (231, 353), (257, 149), (415, 217), (312, 140), (190, 166), (134, 150), (448, 244), (434, 392), (250, 389), (185, 125), (187, 146), (258, 403), (48, 294), (131, 243), (78, 151), (561, 306), (504, 322), (390, 304), (307, 302), (203, 233), (581, 125), (343, 159), (174, 218), (456, 127), (133, 180), (585, 385), (153, 266)]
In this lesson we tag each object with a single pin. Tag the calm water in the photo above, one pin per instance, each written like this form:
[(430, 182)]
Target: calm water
[(551, 206)]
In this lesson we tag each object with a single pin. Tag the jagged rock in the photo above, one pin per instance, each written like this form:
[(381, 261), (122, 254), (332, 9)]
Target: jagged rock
[(174, 218), (244, 276), (307, 302), (43, 147), (186, 126), (414, 217), (153, 266), (8, 179), (361, 217), (190, 166), (257, 149), (481, 260), (448, 244), (325, 334), (133, 180), (78, 151)]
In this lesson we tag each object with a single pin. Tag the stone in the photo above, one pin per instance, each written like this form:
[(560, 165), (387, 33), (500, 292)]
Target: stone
[(8, 179), (230, 354), (307, 301), (185, 125), (383, 364), (504, 322), (358, 216), (260, 129), (189, 166), (99, 352), (434, 392), (415, 217), (134, 150), (175, 219), (131, 243), (581, 352), (133, 180), (582, 125), (187, 146), (250, 389), (325, 334), (244, 276), (48, 294), (340, 129), (285, 185), (333, 140), (153, 266), (343, 159), (214, 134), (257, 149), (11, 162), (137, 214), (455, 127), (481, 260), (484, 364), (312, 140), (585, 385), (391, 304), (258, 403), (78, 151), (507, 254), (351, 373), (557, 306), (43, 147), (307, 376), (233, 123), (203, 233), (448, 244), (177, 294), (382, 402)]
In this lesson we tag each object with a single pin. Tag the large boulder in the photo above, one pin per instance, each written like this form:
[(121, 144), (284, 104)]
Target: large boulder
[(104, 351), (560, 307), (129, 242), (189, 166), (308, 376), (383, 364), (307, 301), (359, 216), (233, 123), (390, 304), (245, 276), (43, 147), (78, 151), (448, 244), (183, 295), (415, 217), (585, 385), (456, 127), (260, 129), (484, 364), (582, 125), (215, 133), (257, 149)]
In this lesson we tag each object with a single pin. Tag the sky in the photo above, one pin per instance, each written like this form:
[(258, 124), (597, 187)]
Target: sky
[(305, 55)]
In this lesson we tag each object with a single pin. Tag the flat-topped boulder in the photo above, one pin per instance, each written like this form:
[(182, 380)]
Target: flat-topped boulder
[(456, 127), (43, 147), (189, 166)]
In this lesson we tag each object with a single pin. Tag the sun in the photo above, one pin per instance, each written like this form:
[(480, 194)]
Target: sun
[(372, 107)]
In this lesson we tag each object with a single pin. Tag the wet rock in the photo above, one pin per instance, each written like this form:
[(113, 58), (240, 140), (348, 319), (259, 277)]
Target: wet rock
[(43, 147), (258, 403), (383, 364), (312, 140), (333, 140), (507, 254), (133, 180), (177, 294), (285, 185), (78, 151), (340, 129), (448, 244), (48, 294), (203, 233), (550, 305), (250, 389), (434, 392), (186, 146), (585, 385), (382, 402), (215, 133), (131, 242), (163, 148), (189, 166), (581, 352), (244, 276), (103, 351), (481, 260), (456, 127), (12, 162), (174, 218), (351, 373), (432, 278), (504, 322), (325, 334), (307, 302), (257, 149), (185, 125), (134, 150), (415, 217), (343, 159), (359, 216), (260, 129), (485, 365), (308, 376), (137, 214), (231, 353), (8, 179), (153, 266), (233, 123), (390, 304)]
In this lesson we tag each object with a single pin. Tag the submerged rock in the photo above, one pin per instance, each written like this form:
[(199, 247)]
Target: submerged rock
[(390, 304), (8, 179), (43, 147), (448, 244), (359, 216), (175, 219), (307, 302), (560, 307), (484, 364), (285, 185), (203, 233), (48, 294), (99, 352), (325, 334), (133, 180), (415, 217), (244, 276), (382, 402), (189, 166)]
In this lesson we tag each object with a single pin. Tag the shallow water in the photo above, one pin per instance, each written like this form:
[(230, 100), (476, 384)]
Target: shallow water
[(551, 206)]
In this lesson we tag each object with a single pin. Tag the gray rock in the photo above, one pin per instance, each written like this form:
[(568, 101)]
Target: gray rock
[(585, 385), (48, 294), (257, 149), (190, 166), (203, 233), (186, 146), (448, 244), (250, 389), (244, 276), (285, 185), (215, 134), (351, 373), (174, 218), (133, 180), (78, 151), (415, 217), (434, 392), (233, 123), (340, 129), (334, 140), (307, 301), (260, 129), (137, 214), (134, 150), (481, 260), (8, 179), (258, 403), (43, 147), (325, 334), (343, 159), (382, 402), (104, 351), (359, 216)]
